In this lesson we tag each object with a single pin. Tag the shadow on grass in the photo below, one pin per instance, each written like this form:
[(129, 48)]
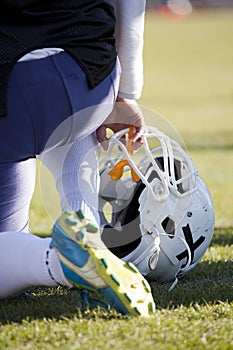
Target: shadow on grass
[(211, 283), (222, 236), (208, 283), (50, 304)]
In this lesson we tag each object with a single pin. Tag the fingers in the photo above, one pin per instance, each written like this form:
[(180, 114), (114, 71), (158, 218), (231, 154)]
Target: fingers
[(101, 136), (137, 136), (136, 140), (125, 113)]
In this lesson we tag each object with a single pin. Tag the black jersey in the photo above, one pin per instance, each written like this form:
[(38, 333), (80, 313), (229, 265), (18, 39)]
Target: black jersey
[(83, 28)]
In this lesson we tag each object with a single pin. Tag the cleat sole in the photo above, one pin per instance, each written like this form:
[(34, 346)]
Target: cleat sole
[(104, 263), (131, 267), (91, 228), (80, 214), (115, 280), (138, 298)]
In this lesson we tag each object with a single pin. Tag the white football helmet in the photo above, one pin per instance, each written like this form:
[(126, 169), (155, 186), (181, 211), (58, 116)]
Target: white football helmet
[(164, 222)]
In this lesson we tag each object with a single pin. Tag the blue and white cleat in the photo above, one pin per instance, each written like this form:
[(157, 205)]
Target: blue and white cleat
[(88, 264)]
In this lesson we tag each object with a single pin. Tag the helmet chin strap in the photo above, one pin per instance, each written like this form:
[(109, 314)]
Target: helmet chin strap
[(174, 283), (181, 270)]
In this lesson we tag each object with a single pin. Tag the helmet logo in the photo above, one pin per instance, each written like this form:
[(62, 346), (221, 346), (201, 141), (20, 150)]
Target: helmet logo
[(192, 245), (169, 227)]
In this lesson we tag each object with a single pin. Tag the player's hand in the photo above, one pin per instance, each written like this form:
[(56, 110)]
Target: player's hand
[(125, 113)]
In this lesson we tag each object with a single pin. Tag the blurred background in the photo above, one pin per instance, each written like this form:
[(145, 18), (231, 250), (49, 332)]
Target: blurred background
[(196, 4)]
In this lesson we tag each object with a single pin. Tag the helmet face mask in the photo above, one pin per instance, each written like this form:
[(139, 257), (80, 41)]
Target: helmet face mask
[(171, 205)]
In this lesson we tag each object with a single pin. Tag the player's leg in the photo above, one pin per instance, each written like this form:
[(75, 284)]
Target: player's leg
[(104, 265), (75, 170), (85, 260), (21, 137), (17, 181), (25, 260)]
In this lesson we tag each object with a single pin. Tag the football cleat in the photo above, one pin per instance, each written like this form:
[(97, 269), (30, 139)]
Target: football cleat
[(89, 265)]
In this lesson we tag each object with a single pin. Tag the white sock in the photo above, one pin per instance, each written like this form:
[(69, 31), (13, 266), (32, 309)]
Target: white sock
[(75, 170), (26, 261)]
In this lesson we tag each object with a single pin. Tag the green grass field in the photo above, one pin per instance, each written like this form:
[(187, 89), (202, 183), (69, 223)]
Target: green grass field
[(189, 81)]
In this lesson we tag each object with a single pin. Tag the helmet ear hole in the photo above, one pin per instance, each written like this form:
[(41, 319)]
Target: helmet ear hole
[(169, 227)]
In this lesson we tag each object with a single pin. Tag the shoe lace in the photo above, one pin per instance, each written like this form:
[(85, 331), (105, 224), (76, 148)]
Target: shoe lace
[(87, 299)]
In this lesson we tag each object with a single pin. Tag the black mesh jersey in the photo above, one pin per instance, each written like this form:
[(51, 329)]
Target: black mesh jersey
[(83, 28)]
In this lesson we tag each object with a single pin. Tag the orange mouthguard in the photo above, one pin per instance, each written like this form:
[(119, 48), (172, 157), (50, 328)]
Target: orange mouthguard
[(117, 171)]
